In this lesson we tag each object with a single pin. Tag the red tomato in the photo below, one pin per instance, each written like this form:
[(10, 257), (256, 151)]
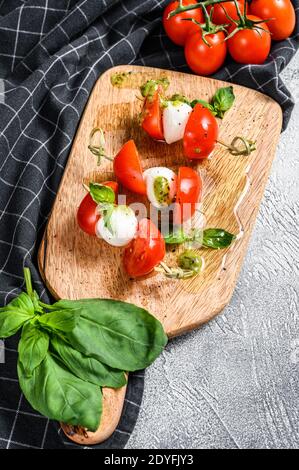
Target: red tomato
[(188, 194), (177, 28), (146, 251), (250, 46), (152, 117), (128, 169), (220, 10), (204, 59), (282, 12), (87, 216), (201, 134)]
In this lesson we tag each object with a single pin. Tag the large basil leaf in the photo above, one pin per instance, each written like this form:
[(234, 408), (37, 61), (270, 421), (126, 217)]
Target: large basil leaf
[(118, 334), (11, 320), (61, 320), (22, 302), (33, 347), (87, 368), (57, 394)]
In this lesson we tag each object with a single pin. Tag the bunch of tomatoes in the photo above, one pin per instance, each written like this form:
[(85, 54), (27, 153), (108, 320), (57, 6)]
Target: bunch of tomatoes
[(211, 29)]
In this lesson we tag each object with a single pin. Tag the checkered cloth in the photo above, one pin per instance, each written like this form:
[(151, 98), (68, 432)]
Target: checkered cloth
[(51, 54)]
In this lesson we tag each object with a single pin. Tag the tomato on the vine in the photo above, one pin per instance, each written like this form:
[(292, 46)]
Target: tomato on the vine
[(189, 190), (145, 251), (201, 134), (252, 43), (152, 117), (87, 216), (128, 168), (222, 12), (202, 58), (282, 13), (177, 28)]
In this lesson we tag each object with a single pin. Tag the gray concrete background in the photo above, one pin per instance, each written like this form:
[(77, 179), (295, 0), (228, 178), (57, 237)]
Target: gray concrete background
[(235, 382)]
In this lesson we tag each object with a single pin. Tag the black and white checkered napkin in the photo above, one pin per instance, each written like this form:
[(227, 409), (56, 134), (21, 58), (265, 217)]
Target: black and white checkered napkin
[(51, 54)]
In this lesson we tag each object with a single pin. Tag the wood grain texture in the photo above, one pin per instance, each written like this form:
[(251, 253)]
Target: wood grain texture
[(77, 266)]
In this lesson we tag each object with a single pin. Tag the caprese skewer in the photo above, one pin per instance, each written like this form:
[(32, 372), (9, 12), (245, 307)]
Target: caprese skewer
[(173, 119)]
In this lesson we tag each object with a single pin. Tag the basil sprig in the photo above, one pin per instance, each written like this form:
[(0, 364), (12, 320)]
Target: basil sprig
[(70, 350)]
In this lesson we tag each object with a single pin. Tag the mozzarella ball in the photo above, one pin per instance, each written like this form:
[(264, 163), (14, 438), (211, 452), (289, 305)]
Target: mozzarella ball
[(175, 118), (161, 186), (121, 227)]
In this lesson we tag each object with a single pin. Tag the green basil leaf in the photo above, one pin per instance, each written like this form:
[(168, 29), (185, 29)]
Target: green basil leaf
[(87, 368), (217, 238), (57, 394), (23, 303), (60, 320), (176, 238), (33, 347), (118, 334), (223, 100), (12, 319), (101, 194), (205, 104)]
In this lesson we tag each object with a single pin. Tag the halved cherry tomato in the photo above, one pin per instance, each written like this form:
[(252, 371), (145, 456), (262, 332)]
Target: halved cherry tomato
[(250, 45), (146, 251), (282, 11), (188, 194), (152, 117), (202, 58), (201, 134), (128, 169), (87, 216), (177, 28), (220, 10)]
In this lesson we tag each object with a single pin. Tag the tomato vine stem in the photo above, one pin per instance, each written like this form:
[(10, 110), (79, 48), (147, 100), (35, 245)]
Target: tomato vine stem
[(181, 8)]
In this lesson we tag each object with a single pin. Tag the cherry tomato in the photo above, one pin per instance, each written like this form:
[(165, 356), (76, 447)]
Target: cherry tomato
[(201, 134), (152, 117), (87, 216), (146, 251), (128, 169), (282, 11), (221, 9), (204, 59), (250, 46), (188, 194), (177, 28)]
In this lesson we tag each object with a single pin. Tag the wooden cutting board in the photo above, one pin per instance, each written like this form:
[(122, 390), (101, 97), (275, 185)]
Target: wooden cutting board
[(76, 266)]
